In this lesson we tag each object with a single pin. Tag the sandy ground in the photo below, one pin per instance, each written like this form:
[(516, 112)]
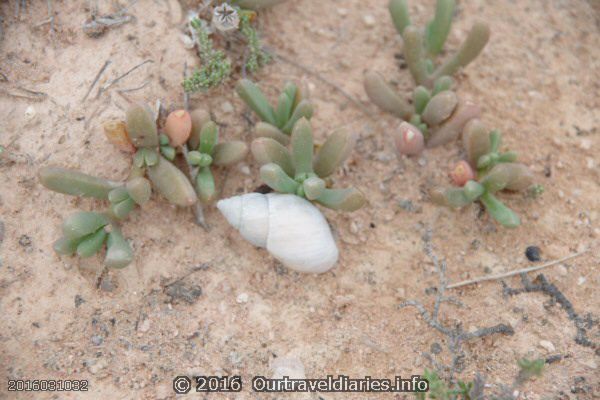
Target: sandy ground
[(129, 333)]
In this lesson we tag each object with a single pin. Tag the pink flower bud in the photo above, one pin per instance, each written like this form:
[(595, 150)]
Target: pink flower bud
[(462, 173), (409, 139)]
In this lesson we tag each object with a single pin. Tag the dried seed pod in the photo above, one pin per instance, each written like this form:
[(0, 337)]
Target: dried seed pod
[(408, 139), (385, 97), (116, 133), (141, 126), (229, 153), (178, 127), (452, 127), (334, 152), (75, 183), (172, 183), (440, 107), (462, 173), (476, 141), (225, 18)]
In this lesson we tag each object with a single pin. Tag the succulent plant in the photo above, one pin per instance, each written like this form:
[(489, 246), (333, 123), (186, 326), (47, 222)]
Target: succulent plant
[(207, 152), (298, 171), (434, 118), (152, 151), (276, 122), (495, 171), (421, 46), (225, 19), (256, 4), (85, 233)]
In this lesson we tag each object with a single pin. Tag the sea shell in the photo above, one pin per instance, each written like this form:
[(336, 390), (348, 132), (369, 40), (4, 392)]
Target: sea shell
[(289, 227)]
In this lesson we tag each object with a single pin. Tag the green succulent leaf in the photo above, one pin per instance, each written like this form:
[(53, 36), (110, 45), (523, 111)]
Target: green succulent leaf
[(495, 141), (168, 152), (452, 127), (205, 185), (504, 215), (91, 244), (413, 54), (66, 247), (385, 97), (451, 197), (334, 152), (441, 84), (438, 29), (75, 183), (508, 157), (303, 110), (118, 194), (313, 187), (82, 224), (122, 208), (209, 137), (256, 100), (292, 91), (139, 190), (119, 253), (264, 129), (285, 105), (421, 97), (497, 178), (440, 107), (476, 40), (349, 199), (473, 190), (172, 183), (267, 150), (476, 141), (141, 126), (229, 153), (400, 15), (302, 147), (199, 118), (277, 179)]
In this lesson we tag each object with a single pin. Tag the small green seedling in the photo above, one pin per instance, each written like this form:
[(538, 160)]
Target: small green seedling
[(276, 123), (225, 20), (495, 171), (207, 152), (434, 118), (85, 233), (421, 46), (300, 172)]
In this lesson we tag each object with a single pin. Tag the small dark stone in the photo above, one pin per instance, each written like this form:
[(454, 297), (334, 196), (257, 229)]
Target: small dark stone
[(78, 300), (372, 225), (435, 348), (184, 291), (533, 253), (25, 241)]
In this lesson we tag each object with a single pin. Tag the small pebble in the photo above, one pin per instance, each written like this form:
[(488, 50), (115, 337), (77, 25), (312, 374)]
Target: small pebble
[(97, 340), (242, 298), (533, 253), (227, 107), (144, 326), (369, 20), (581, 280), (546, 344)]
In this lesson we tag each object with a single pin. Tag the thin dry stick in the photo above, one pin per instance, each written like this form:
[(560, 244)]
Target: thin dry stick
[(517, 272), (106, 64), (192, 172), (117, 79), (320, 77)]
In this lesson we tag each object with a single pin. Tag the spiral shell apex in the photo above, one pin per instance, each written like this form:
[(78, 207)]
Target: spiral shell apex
[(292, 229)]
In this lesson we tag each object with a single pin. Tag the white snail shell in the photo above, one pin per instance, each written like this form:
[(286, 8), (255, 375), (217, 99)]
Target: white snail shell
[(289, 227)]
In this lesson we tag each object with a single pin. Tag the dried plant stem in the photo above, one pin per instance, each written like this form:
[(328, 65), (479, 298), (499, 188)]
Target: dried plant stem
[(98, 75), (192, 171), (117, 79), (517, 272)]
